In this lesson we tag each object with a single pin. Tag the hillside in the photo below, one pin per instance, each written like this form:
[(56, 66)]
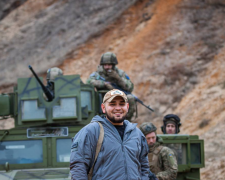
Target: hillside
[(172, 50)]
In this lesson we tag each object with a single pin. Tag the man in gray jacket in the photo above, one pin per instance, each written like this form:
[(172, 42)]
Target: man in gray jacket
[(123, 154)]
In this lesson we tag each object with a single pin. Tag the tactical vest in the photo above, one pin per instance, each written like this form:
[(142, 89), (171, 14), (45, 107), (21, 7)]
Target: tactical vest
[(154, 161)]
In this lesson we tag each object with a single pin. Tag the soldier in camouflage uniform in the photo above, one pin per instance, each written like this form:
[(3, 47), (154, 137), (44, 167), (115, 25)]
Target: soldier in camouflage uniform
[(171, 125), (52, 73), (162, 160), (108, 77)]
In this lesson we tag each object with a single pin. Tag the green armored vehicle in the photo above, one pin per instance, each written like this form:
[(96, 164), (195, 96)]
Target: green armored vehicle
[(189, 150), (39, 145)]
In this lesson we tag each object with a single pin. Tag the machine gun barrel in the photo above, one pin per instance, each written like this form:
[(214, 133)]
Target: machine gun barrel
[(47, 92), (135, 97)]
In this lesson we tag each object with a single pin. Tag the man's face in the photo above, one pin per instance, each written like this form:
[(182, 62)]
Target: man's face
[(116, 110), (107, 67), (151, 138), (170, 129)]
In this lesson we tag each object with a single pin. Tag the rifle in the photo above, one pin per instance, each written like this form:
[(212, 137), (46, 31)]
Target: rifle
[(49, 94), (126, 92)]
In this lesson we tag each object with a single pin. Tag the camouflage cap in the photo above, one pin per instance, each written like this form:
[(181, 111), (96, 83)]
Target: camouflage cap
[(110, 95), (108, 58), (52, 73), (147, 128)]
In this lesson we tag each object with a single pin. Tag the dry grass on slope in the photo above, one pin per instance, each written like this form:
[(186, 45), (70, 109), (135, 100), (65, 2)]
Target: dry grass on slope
[(203, 113)]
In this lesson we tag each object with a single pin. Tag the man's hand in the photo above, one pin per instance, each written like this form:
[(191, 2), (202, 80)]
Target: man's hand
[(152, 176), (108, 85), (113, 74)]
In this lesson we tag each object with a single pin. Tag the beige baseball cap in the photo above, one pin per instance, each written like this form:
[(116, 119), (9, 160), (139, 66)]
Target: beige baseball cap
[(110, 95)]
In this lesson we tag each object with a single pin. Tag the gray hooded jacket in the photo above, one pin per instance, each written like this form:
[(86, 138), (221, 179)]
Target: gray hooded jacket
[(117, 160)]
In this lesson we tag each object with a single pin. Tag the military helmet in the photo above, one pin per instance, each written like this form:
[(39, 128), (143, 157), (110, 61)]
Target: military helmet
[(147, 128), (52, 73), (173, 119), (108, 58)]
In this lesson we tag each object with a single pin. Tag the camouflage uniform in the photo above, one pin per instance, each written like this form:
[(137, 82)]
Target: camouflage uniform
[(177, 149), (99, 78), (162, 160), (115, 76)]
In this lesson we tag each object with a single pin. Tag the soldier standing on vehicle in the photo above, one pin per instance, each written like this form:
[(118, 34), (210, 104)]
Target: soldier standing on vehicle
[(171, 124), (108, 75), (52, 73), (48, 91), (123, 152), (162, 160)]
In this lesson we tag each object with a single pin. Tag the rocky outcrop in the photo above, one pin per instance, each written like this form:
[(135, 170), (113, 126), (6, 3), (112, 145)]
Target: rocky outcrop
[(43, 33), (7, 6)]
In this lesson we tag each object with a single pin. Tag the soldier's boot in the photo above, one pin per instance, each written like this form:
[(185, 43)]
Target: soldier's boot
[(132, 107)]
